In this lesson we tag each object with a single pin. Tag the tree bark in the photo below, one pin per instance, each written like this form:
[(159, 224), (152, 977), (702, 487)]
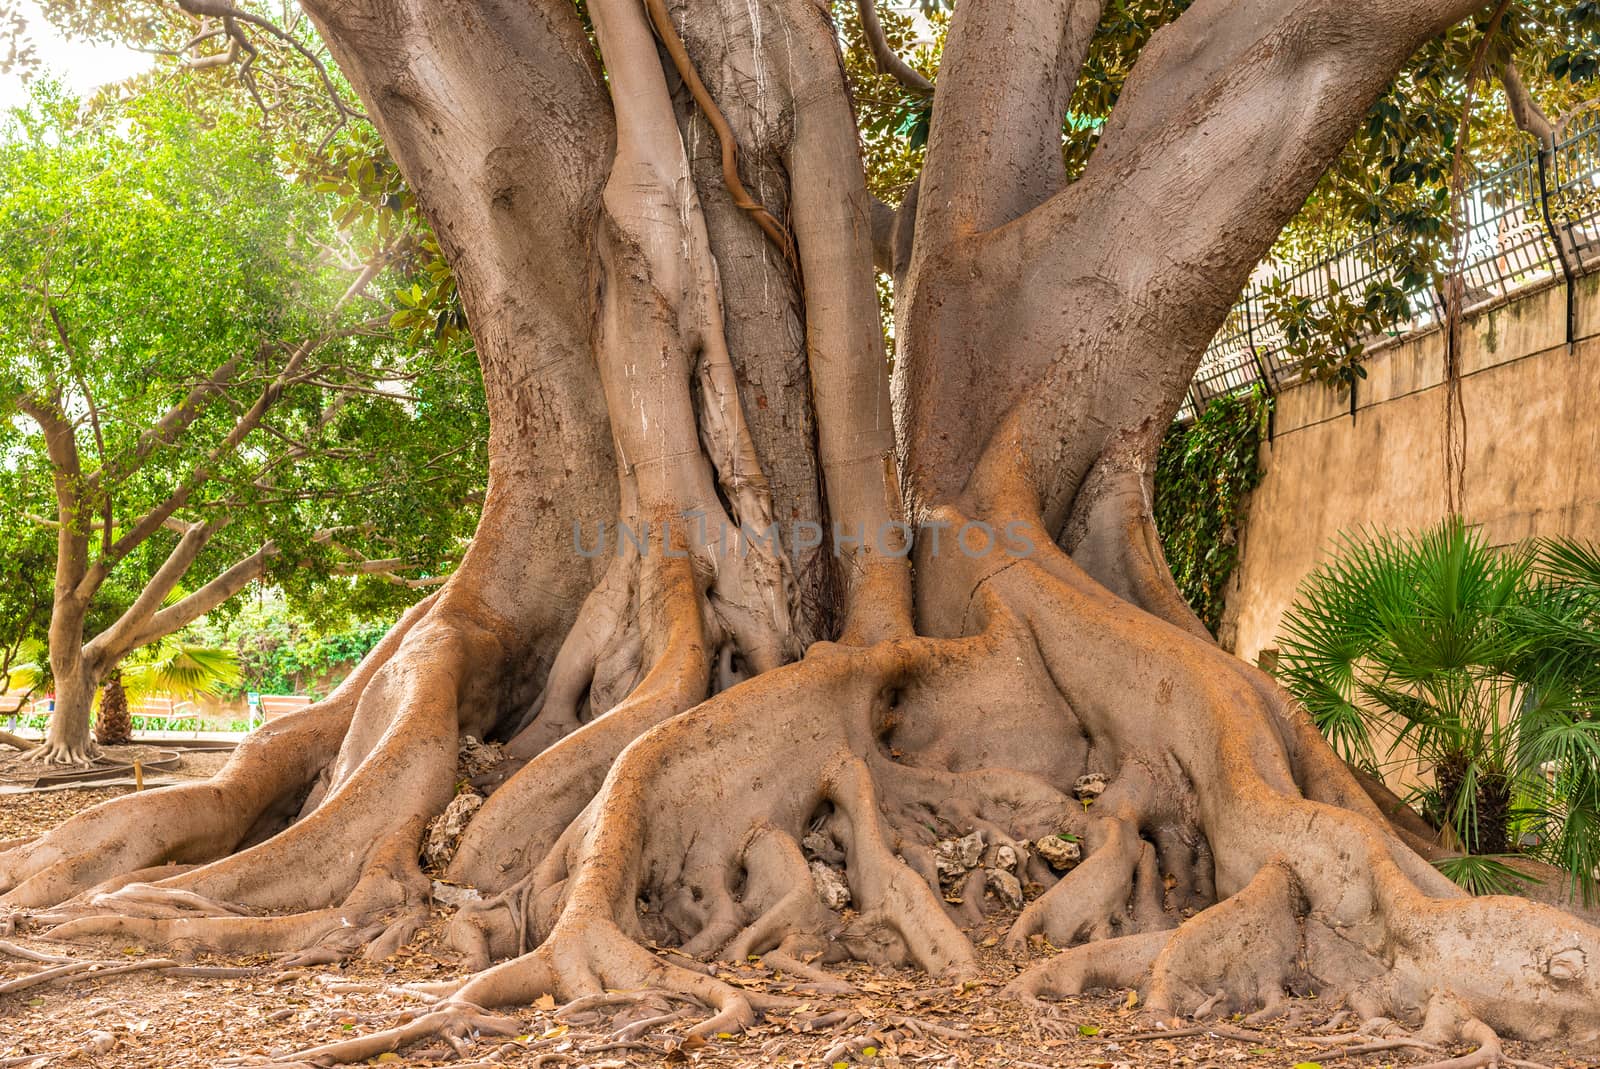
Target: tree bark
[(113, 726), (672, 330)]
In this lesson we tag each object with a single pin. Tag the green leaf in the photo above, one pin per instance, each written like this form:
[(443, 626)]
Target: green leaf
[(1088, 1030)]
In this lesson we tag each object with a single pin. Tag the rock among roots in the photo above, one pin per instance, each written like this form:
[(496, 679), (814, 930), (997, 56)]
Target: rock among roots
[(819, 846), (449, 894), (830, 885), (1005, 886), (1091, 786), (954, 858), (446, 829), (1005, 857), (1060, 854), (475, 758)]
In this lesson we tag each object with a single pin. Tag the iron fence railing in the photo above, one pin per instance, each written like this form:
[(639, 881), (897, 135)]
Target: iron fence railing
[(1533, 220)]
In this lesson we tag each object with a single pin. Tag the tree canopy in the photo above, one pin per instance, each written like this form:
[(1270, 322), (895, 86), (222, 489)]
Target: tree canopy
[(202, 382)]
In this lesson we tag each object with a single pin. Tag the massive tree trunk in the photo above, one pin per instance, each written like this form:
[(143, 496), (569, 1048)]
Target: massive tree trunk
[(684, 347)]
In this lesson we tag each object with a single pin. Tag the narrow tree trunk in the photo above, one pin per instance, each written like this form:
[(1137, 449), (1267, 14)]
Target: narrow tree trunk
[(67, 736)]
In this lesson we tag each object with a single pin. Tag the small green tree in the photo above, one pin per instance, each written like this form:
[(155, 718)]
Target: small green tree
[(213, 395)]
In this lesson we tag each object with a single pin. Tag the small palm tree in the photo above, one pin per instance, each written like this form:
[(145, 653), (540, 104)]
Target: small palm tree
[(113, 726), (1480, 661), (182, 670)]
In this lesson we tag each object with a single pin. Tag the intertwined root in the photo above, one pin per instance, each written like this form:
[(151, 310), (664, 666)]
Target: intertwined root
[(305, 844), (866, 758)]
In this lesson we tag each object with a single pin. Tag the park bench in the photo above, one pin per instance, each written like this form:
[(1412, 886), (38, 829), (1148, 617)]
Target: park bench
[(267, 707), (169, 710), (14, 707)]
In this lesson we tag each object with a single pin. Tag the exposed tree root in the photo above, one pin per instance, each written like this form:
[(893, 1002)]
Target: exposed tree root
[(674, 783)]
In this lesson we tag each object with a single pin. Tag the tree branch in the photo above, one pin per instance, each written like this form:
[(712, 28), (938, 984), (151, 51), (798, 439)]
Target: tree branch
[(157, 517), (169, 427), (1525, 110), (112, 644), (66, 471), (195, 605), (232, 16), (887, 60), (994, 148), (1144, 255)]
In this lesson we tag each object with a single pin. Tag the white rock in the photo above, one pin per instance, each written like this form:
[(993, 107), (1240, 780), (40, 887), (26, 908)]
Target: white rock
[(1005, 857), (1091, 786), (448, 894), (954, 858), (1006, 887), (830, 885), (1061, 854)]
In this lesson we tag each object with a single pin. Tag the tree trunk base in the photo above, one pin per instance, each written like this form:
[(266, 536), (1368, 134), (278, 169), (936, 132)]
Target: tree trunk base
[(65, 755), (1229, 864)]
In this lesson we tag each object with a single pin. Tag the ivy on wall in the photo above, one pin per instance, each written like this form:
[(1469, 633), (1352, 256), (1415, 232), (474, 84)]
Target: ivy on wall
[(1204, 471)]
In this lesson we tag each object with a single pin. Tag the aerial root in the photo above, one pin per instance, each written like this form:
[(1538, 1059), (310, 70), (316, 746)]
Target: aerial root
[(1447, 1019), (1220, 1031), (1091, 901), (380, 914), (817, 981), (53, 753), (457, 1023), (889, 891)]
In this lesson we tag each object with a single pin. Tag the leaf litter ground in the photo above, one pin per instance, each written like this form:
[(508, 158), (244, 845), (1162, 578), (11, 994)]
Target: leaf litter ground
[(152, 1020)]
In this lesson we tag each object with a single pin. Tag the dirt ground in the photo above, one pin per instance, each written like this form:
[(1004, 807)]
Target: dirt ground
[(150, 1020)]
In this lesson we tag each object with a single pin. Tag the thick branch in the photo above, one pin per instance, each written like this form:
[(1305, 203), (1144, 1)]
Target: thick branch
[(994, 150), (1148, 250), (202, 601), (114, 643), (66, 471)]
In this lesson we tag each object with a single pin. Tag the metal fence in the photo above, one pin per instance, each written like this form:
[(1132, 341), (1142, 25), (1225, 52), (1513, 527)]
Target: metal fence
[(1536, 219)]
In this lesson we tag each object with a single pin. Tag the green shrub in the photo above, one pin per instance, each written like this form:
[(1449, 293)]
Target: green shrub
[(1485, 664)]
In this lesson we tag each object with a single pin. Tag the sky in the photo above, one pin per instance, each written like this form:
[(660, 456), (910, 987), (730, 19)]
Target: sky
[(83, 66)]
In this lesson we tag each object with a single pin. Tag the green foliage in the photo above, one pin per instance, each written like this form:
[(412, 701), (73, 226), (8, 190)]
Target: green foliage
[(147, 241), (1479, 661), (1203, 474), (183, 670), (279, 652)]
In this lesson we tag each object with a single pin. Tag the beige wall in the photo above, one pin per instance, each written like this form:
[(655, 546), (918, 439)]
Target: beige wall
[(1532, 440)]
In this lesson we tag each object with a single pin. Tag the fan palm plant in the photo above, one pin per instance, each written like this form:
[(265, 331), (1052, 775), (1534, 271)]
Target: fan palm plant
[(177, 669), (1481, 662), (183, 670)]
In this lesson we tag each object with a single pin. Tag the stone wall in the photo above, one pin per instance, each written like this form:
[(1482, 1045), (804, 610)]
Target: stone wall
[(1532, 444)]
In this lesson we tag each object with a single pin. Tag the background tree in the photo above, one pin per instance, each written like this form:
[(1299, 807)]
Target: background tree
[(668, 269), (211, 390)]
